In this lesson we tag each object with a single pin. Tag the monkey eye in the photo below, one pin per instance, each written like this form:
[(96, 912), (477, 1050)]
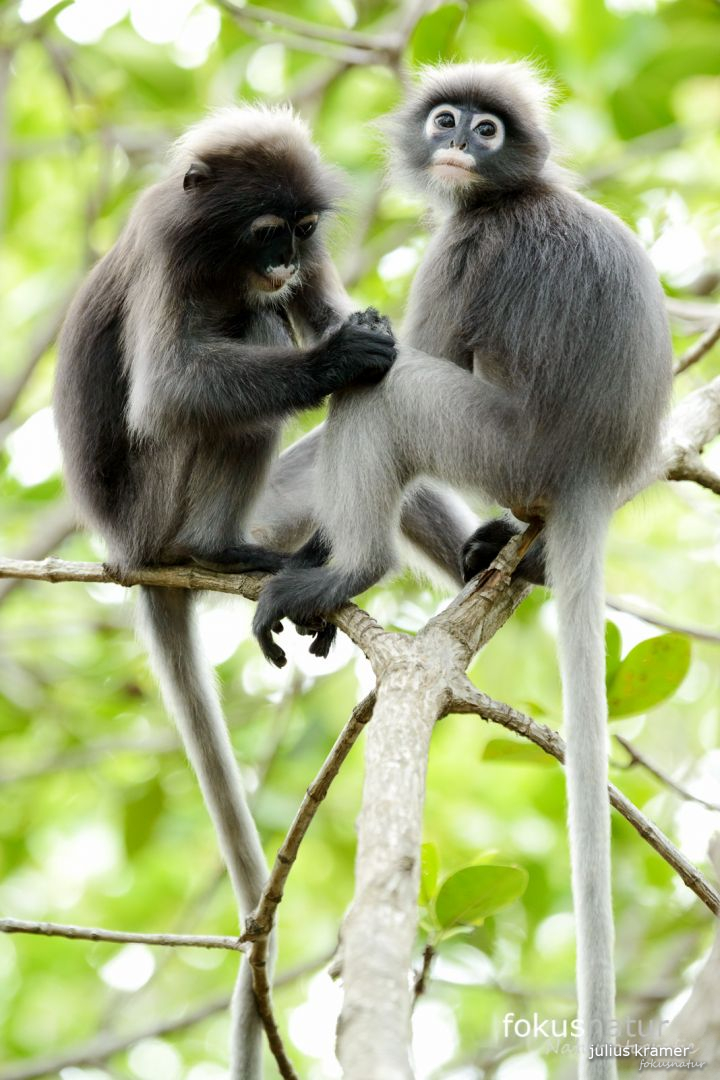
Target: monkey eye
[(266, 235), (444, 120), (305, 229), (486, 128)]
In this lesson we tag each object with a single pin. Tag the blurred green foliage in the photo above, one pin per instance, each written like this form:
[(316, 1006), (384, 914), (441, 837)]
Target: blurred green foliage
[(101, 821)]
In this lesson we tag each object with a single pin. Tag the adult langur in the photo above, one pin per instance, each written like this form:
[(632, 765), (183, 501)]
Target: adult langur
[(547, 381), (179, 362)]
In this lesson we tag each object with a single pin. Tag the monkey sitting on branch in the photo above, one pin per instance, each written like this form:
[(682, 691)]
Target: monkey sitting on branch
[(178, 365), (547, 381)]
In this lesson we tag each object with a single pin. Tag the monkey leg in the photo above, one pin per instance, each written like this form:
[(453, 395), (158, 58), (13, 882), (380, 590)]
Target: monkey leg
[(284, 516), (488, 540), (426, 418), (241, 559)]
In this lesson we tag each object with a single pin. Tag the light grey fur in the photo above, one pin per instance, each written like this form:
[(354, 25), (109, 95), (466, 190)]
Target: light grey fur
[(434, 521), (175, 376), (549, 397)]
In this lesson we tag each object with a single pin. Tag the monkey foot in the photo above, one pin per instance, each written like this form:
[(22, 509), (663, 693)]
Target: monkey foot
[(485, 545), (278, 600)]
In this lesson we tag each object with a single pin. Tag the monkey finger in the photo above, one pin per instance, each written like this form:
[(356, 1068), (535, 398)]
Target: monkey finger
[(271, 650), (324, 640)]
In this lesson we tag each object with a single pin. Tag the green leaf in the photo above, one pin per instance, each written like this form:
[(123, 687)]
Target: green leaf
[(429, 863), (434, 36), (514, 752), (649, 674), (613, 650), (472, 894)]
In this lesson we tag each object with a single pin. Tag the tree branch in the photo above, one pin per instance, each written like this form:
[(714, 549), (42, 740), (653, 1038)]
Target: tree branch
[(91, 933), (664, 623), (698, 350), (468, 699), (388, 43), (260, 923), (692, 467), (379, 930), (636, 758)]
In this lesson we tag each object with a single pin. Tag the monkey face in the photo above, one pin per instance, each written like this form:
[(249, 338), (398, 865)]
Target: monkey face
[(469, 132), (459, 137), (277, 246)]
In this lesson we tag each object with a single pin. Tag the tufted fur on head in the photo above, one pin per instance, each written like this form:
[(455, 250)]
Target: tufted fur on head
[(246, 161), (515, 92)]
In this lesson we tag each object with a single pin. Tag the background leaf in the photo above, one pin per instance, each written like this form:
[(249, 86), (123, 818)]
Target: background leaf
[(470, 895), (649, 674)]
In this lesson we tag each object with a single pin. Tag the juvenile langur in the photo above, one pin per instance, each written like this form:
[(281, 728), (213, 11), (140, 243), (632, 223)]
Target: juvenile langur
[(549, 398), (178, 364)]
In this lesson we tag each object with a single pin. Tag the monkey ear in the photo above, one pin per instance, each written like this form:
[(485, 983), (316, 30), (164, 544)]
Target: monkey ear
[(198, 173)]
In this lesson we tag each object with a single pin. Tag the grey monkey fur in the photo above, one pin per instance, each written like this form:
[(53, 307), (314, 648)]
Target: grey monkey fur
[(542, 383), (177, 369)]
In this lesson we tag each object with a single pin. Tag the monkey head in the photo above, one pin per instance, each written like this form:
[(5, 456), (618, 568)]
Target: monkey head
[(249, 191), (471, 131)]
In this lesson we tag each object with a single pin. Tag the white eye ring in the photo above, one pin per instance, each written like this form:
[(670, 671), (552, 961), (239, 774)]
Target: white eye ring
[(495, 141), (430, 128)]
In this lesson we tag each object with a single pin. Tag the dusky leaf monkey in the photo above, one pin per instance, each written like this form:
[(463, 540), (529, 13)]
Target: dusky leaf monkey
[(216, 316), (544, 390), (178, 364)]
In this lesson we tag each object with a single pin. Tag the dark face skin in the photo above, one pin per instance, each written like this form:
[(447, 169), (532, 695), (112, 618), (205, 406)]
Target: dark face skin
[(230, 227), (461, 138), (276, 244)]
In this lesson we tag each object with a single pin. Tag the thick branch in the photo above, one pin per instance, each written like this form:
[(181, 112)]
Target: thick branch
[(379, 931), (692, 467)]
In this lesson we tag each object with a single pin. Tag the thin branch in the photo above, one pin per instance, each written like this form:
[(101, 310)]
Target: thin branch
[(259, 924), (121, 937), (663, 622), (699, 349), (304, 28), (469, 699), (261, 986), (637, 758), (345, 54), (423, 974), (360, 627)]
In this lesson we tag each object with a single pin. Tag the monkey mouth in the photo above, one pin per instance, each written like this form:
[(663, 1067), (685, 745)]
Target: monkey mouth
[(270, 282), (453, 165)]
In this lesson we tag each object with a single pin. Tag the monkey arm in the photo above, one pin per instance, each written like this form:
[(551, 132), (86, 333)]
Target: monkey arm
[(204, 381)]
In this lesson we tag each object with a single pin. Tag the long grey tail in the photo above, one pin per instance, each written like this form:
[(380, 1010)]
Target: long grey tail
[(575, 543), (168, 624)]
